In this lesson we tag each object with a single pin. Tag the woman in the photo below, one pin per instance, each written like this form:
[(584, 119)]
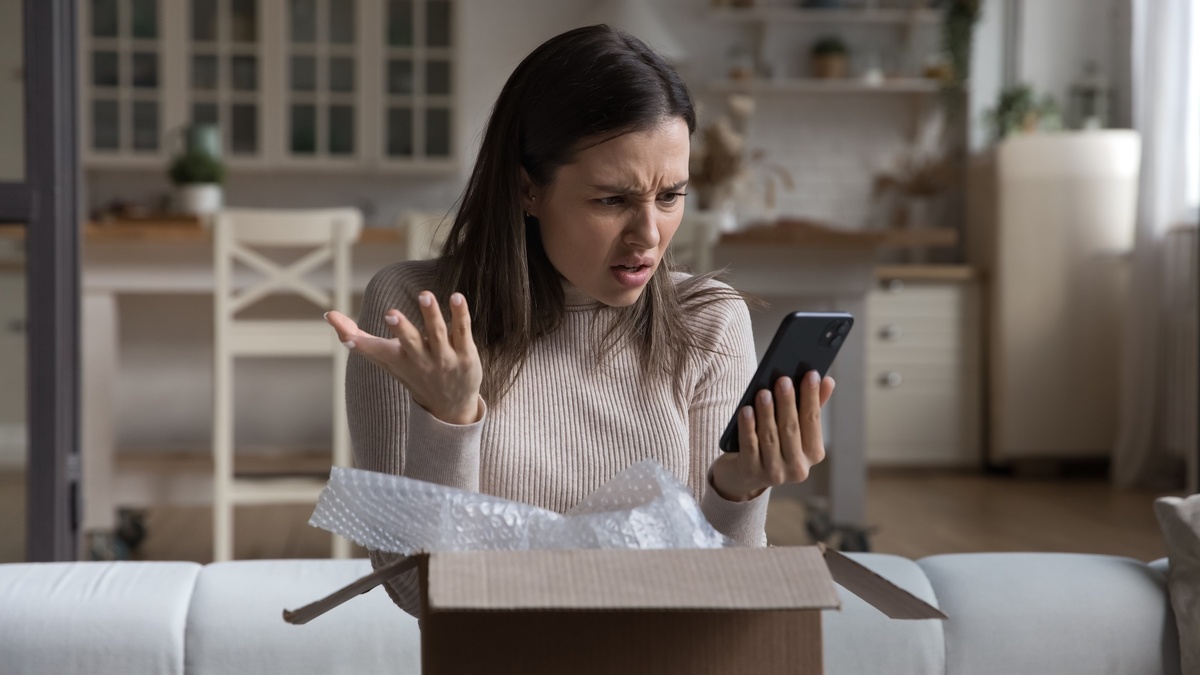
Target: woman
[(572, 350)]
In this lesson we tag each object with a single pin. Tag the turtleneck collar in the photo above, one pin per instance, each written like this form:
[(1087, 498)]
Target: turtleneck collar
[(576, 299)]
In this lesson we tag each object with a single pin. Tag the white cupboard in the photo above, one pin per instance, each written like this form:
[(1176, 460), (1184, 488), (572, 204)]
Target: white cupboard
[(924, 369), (1052, 221), (325, 84)]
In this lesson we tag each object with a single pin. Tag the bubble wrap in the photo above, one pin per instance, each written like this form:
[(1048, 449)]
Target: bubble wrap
[(643, 507)]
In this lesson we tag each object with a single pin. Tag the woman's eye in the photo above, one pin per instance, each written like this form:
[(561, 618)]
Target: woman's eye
[(611, 201), (671, 197)]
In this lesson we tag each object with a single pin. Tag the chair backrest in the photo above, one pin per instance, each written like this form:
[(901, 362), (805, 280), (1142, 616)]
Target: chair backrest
[(425, 232), (237, 233), (292, 227)]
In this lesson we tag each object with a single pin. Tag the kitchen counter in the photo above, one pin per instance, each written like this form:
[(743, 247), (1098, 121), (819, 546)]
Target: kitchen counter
[(794, 232)]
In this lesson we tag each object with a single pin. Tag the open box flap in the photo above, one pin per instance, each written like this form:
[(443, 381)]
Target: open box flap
[(713, 579), (742, 578), (351, 590), (893, 601)]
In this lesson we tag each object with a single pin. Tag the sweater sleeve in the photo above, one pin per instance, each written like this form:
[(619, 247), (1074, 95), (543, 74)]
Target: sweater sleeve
[(722, 381), (391, 434)]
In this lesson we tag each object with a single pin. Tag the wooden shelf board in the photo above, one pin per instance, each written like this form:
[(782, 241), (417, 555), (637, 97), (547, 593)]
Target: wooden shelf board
[(825, 86), (815, 15)]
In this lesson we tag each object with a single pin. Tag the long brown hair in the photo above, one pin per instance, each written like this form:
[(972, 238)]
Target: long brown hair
[(574, 91)]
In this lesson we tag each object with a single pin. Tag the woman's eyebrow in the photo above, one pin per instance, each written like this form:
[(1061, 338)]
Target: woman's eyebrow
[(630, 189)]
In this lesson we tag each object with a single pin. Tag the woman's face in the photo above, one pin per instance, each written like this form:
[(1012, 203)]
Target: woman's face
[(607, 217)]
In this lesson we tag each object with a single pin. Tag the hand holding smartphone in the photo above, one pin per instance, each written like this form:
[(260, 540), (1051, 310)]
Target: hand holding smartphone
[(804, 341)]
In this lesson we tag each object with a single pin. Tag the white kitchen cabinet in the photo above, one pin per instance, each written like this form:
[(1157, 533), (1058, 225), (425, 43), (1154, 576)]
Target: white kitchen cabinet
[(923, 404), (317, 84), (226, 82), (122, 76)]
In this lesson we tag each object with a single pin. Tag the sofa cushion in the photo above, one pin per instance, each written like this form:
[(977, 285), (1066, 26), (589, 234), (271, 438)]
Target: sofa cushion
[(94, 617), (1180, 521), (860, 639), (1057, 613), (236, 622)]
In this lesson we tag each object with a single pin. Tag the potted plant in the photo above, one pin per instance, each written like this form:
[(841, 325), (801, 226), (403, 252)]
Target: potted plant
[(198, 172), (830, 58), (1018, 111)]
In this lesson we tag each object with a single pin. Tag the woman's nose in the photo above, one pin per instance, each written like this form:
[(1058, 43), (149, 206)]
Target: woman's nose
[(642, 232)]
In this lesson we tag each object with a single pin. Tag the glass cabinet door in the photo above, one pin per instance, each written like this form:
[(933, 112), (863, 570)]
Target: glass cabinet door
[(123, 77), (418, 82), (323, 89), (225, 63)]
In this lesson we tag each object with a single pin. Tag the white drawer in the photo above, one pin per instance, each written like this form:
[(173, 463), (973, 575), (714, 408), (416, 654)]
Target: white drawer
[(923, 376), (947, 375), (912, 334), (918, 300)]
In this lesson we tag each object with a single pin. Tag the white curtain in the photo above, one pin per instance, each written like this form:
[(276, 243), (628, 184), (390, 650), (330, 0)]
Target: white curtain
[(1163, 62)]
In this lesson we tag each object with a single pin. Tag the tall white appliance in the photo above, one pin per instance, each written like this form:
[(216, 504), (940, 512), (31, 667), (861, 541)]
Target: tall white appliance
[(1051, 228)]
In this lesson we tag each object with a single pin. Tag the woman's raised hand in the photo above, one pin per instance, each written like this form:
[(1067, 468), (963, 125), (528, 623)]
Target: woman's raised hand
[(779, 442), (440, 369)]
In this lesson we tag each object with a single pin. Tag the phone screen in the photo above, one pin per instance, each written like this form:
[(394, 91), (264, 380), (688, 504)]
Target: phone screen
[(805, 341)]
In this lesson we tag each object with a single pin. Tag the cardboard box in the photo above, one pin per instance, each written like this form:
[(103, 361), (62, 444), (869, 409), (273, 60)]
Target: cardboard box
[(738, 610)]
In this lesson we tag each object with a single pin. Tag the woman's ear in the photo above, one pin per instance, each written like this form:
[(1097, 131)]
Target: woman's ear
[(529, 194)]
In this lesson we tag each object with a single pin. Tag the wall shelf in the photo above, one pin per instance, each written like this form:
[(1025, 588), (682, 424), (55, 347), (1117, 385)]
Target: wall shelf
[(830, 86), (815, 16)]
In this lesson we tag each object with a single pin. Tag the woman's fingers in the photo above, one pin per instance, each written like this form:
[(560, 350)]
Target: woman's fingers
[(345, 327), (768, 437), (461, 338), (408, 335), (810, 417), (827, 386), (787, 419), (436, 333), (748, 439)]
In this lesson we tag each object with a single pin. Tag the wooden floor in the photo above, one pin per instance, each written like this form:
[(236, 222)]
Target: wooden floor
[(913, 513), (921, 513)]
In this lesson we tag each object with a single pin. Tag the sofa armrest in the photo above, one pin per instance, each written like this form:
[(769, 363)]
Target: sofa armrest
[(1057, 613), (94, 617)]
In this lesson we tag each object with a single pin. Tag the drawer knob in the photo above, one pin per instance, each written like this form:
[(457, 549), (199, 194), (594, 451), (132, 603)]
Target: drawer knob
[(891, 332), (891, 379), (893, 285)]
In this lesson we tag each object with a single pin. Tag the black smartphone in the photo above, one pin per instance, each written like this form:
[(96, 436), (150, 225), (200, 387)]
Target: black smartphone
[(804, 341)]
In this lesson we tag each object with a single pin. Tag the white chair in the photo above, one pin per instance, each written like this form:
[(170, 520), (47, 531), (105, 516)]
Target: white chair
[(322, 238), (425, 232)]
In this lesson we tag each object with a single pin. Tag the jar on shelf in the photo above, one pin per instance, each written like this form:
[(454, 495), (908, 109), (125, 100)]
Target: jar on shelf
[(830, 58)]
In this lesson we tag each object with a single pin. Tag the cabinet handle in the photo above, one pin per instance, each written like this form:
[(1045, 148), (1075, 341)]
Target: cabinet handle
[(891, 332), (891, 379)]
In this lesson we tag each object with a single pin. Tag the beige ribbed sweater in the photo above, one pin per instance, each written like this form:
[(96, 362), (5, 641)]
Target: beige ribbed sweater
[(566, 427)]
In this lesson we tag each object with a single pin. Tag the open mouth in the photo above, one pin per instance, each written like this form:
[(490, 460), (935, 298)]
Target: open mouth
[(632, 276)]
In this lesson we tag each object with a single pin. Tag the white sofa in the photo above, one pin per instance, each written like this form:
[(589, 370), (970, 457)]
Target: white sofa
[(1009, 613)]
